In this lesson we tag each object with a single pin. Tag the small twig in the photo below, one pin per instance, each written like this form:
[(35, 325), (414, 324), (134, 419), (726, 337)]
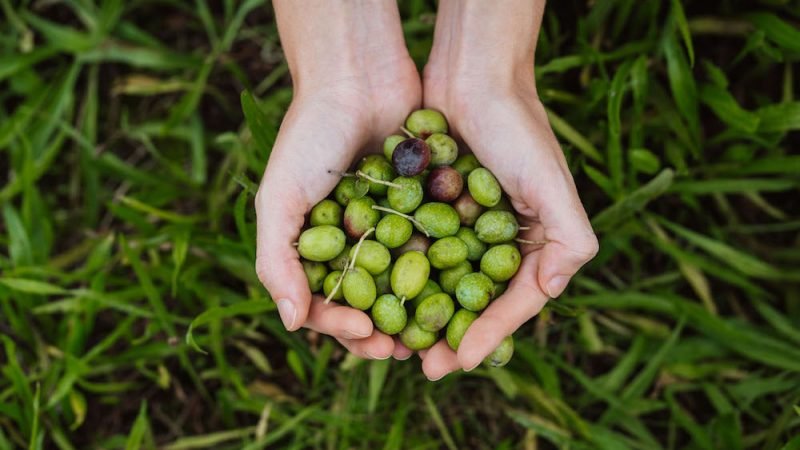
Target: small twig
[(413, 220), (358, 247), (525, 241), (403, 300), (361, 174), (407, 132), (524, 228), (338, 283)]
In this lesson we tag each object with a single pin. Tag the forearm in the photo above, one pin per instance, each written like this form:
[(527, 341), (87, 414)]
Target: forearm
[(325, 40), (479, 39)]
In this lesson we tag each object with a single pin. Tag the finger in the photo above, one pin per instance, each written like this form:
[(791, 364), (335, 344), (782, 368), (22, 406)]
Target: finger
[(377, 346), (571, 241), (439, 361), (279, 217), (517, 305), (338, 320), (401, 352)]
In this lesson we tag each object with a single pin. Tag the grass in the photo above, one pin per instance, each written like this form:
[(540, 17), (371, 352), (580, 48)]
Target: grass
[(131, 316)]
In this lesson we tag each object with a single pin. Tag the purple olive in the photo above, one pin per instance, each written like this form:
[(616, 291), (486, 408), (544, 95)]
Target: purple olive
[(467, 208), (411, 157), (445, 184)]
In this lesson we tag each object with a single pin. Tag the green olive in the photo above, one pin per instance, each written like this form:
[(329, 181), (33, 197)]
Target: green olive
[(438, 219), (500, 288), (341, 260), (483, 187), (494, 227), (474, 291), (382, 282), (350, 188), (377, 167), (444, 149), (449, 278), (434, 312), (465, 164), (458, 326), (447, 252), (390, 143), (360, 217), (502, 354), (409, 274), (503, 205), (415, 338), (359, 288), (406, 198), (330, 282), (388, 314), (326, 212), (431, 287), (475, 248), (322, 243), (424, 122), (501, 262), (315, 273), (372, 256), (393, 230)]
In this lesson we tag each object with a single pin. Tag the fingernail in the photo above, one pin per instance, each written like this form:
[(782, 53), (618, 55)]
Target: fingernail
[(403, 359), (556, 285), (473, 367), (375, 357), (351, 334), (287, 312), (437, 378)]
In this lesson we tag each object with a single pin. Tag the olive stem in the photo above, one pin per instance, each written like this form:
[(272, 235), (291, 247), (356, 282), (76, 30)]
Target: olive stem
[(525, 241), (403, 300), (361, 174), (524, 228), (358, 247), (338, 284), (407, 132), (410, 218)]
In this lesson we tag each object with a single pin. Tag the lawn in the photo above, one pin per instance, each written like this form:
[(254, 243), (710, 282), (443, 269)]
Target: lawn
[(131, 315)]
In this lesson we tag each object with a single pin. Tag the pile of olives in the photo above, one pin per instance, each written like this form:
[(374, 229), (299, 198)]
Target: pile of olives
[(420, 237)]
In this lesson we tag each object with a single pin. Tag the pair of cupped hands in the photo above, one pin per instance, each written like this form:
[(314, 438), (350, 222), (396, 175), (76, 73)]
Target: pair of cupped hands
[(334, 121)]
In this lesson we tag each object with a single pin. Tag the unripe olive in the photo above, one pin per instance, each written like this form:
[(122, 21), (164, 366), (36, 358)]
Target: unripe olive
[(465, 164), (388, 314), (438, 219), (483, 187), (474, 291), (350, 188), (315, 273), (475, 247), (359, 288), (444, 149), (372, 256), (406, 198), (326, 212), (503, 205), (449, 278), (434, 312), (447, 252), (425, 122), (501, 262), (500, 288), (393, 230), (322, 243), (382, 282), (415, 338), (377, 167), (341, 260), (330, 282), (409, 274), (431, 287), (360, 217), (494, 227), (502, 354), (458, 326)]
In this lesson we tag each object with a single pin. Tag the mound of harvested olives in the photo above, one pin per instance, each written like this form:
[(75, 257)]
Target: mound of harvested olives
[(419, 237)]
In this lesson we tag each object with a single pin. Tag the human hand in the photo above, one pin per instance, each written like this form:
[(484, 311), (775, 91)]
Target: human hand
[(494, 109), (341, 107)]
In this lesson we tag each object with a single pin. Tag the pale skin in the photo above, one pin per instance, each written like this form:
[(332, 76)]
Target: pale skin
[(354, 84)]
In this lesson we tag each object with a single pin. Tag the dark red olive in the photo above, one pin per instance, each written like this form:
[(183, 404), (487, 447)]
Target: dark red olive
[(416, 242), (467, 208), (445, 184), (411, 157)]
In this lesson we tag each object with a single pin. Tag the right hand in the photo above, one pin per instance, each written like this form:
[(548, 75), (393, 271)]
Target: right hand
[(328, 125)]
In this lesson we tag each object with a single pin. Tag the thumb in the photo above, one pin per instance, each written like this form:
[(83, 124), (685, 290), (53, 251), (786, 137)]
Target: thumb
[(279, 218)]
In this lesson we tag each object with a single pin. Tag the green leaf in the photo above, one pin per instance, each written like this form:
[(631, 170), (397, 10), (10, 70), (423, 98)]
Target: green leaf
[(571, 135), (643, 160), (627, 206), (682, 84), (779, 118), (378, 369), (32, 286), (727, 108), (615, 96), (248, 308), (683, 26), (778, 31)]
